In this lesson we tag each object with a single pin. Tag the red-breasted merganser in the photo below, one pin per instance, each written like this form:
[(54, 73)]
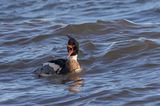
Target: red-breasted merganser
[(63, 66)]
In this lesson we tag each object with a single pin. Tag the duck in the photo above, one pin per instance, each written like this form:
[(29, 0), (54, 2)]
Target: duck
[(62, 66)]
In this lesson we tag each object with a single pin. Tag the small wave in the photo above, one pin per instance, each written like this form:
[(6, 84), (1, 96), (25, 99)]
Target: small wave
[(19, 4), (151, 11), (25, 40), (143, 1), (13, 66), (15, 41), (153, 100), (129, 47), (46, 6), (88, 45), (98, 28), (38, 38), (11, 18), (36, 21), (86, 28)]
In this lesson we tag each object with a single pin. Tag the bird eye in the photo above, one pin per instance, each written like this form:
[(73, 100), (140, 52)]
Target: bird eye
[(69, 47)]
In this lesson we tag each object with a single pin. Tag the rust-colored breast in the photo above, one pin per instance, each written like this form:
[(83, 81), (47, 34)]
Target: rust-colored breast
[(73, 65)]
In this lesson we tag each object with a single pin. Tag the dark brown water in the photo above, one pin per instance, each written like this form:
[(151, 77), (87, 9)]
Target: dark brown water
[(119, 52)]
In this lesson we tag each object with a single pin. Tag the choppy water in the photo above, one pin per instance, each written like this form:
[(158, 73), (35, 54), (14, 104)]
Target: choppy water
[(119, 52)]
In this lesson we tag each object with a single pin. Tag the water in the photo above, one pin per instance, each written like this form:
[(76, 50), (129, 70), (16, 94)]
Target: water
[(119, 52)]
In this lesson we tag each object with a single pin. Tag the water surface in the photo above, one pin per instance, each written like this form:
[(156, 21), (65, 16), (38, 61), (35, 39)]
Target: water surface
[(119, 52)]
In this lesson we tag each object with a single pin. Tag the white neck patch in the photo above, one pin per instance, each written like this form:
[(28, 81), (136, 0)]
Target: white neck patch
[(73, 57)]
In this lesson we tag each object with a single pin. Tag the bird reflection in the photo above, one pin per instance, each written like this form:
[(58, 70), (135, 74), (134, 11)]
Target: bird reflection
[(75, 84), (72, 80)]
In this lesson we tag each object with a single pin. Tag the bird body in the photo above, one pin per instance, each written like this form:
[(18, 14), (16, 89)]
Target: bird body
[(62, 66)]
